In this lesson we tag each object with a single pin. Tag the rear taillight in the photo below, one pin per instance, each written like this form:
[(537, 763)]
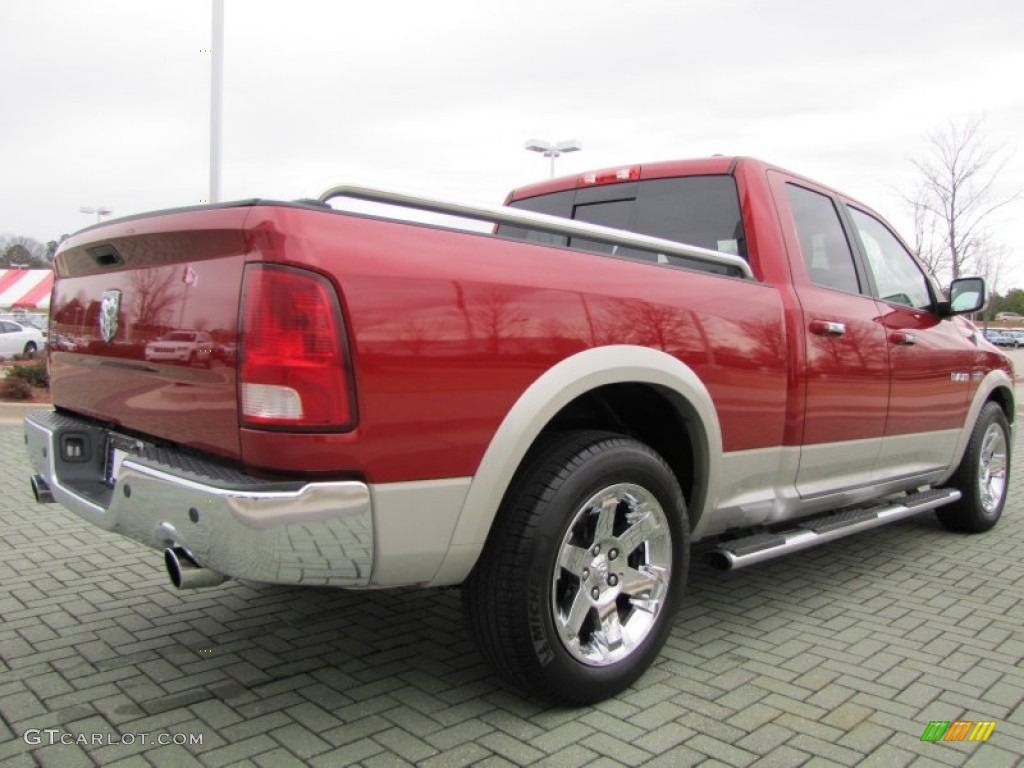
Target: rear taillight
[(294, 367)]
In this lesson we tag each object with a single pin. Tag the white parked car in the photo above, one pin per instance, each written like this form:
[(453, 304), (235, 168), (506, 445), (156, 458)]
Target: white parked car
[(1001, 338), (189, 347), (20, 339)]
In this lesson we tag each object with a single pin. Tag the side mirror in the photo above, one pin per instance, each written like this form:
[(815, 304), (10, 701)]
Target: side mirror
[(966, 295)]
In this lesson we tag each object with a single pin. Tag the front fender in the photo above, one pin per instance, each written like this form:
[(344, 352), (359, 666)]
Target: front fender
[(995, 383)]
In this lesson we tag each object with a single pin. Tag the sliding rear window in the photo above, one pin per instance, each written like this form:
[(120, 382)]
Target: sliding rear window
[(697, 210)]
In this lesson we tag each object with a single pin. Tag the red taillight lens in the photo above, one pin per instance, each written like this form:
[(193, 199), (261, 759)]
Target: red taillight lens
[(294, 366)]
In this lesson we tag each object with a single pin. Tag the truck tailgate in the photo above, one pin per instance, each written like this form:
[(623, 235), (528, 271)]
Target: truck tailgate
[(144, 326)]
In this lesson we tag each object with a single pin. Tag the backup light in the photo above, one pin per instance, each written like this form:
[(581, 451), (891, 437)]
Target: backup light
[(267, 401)]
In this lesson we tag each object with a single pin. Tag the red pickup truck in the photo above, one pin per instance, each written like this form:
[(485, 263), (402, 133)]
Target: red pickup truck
[(549, 412)]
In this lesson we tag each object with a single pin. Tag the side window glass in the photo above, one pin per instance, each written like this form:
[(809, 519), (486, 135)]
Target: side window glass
[(823, 243), (897, 276)]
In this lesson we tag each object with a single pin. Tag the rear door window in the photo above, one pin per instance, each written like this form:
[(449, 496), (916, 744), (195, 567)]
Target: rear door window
[(823, 244)]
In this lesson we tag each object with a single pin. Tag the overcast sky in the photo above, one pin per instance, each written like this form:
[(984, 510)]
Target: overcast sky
[(106, 102)]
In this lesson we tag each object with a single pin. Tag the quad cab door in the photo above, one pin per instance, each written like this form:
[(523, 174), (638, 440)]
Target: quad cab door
[(930, 358), (887, 381), (845, 376)]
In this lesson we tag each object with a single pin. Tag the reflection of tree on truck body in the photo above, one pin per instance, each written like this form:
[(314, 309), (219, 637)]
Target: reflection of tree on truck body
[(155, 293)]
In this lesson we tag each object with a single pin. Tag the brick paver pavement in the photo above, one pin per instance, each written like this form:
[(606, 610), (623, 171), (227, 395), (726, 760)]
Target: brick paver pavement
[(836, 656)]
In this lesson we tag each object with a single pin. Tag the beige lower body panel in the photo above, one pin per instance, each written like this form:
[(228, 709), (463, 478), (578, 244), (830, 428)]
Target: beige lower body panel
[(773, 485)]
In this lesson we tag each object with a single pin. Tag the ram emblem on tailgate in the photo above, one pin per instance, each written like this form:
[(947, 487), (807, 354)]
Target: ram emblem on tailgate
[(110, 309)]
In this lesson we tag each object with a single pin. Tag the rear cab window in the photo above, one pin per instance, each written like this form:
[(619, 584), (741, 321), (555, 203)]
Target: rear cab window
[(696, 210)]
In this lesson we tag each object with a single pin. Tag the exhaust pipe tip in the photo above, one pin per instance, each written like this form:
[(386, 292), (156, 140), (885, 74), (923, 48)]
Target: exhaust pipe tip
[(186, 573), (41, 490)]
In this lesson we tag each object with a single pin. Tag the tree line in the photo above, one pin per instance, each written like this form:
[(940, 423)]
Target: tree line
[(1011, 301), (954, 209), (26, 252)]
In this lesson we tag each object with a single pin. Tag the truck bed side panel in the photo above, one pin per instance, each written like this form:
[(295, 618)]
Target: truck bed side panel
[(448, 329)]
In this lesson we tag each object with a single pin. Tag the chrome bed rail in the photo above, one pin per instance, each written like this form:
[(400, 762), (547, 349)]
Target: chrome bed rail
[(538, 221)]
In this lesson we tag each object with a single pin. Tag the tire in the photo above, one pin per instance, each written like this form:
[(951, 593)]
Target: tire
[(30, 350), (982, 477), (575, 591)]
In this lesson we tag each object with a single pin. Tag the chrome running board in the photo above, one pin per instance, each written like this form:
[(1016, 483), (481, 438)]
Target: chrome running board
[(739, 553)]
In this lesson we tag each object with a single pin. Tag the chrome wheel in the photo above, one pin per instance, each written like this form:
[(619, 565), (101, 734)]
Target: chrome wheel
[(574, 594), (613, 573), (992, 466), (982, 476)]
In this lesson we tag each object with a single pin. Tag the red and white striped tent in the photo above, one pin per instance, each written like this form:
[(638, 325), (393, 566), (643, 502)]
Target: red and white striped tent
[(25, 288)]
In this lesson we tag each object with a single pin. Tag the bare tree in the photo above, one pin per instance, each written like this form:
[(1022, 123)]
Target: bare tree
[(155, 295), (954, 205), (16, 250), (928, 245), (991, 263)]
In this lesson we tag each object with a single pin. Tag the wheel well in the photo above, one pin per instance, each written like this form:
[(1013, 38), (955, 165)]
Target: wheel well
[(1004, 399), (651, 414)]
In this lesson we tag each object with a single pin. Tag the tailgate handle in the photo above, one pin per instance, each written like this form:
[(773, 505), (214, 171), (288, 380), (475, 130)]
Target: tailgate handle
[(106, 256)]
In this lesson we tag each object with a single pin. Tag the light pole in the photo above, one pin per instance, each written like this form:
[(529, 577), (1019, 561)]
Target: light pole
[(216, 97), (551, 150), (99, 210)]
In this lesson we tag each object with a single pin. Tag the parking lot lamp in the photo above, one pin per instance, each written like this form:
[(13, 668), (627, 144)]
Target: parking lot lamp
[(552, 150), (99, 210)]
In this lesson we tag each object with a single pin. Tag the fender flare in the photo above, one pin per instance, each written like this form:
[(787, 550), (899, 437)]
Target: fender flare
[(994, 380), (543, 400)]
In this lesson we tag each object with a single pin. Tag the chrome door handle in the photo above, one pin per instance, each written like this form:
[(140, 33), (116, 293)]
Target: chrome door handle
[(903, 338), (827, 328)]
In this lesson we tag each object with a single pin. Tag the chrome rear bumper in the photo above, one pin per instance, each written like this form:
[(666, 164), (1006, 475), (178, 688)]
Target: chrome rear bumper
[(285, 533)]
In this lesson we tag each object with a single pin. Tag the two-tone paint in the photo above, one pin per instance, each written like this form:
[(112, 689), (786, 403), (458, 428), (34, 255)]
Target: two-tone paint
[(467, 346)]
